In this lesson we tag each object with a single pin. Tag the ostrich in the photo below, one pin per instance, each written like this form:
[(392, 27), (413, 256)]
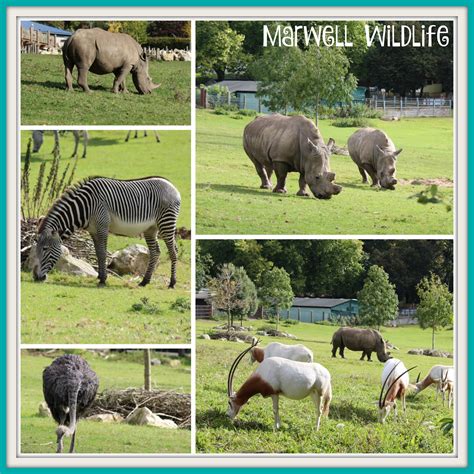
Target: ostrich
[(69, 387)]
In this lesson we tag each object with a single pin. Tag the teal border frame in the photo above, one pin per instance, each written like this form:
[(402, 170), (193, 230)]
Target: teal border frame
[(4, 4)]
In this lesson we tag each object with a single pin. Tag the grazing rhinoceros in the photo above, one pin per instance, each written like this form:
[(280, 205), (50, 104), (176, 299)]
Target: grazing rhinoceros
[(355, 339), (103, 52), (285, 144), (373, 152)]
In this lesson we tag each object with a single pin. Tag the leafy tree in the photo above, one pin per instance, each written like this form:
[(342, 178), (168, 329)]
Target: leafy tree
[(246, 294), (218, 47), (275, 292), (136, 29), (435, 310), (378, 302), (290, 77), (248, 254), (203, 268)]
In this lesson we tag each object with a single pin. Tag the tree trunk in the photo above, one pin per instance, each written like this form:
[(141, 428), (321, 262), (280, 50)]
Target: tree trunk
[(228, 320), (220, 74), (147, 363)]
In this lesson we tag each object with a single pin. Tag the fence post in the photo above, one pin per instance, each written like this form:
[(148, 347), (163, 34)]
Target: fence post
[(228, 97), (401, 107), (299, 314), (384, 106), (245, 101)]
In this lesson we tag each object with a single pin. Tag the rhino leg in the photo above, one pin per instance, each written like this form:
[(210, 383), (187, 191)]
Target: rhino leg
[(372, 174), (120, 78), (334, 350), (262, 173), (363, 174), (341, 351), (82, 78), (369, 355), (269, 171), (302, 183), (68, 76), (281, 171)]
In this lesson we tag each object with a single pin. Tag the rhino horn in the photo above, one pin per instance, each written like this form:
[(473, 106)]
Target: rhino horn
[(396, 153)]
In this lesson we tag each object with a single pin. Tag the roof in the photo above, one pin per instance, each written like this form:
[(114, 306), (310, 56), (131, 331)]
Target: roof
[(239, 86), (45, 28), (320, 302), (202, 294)]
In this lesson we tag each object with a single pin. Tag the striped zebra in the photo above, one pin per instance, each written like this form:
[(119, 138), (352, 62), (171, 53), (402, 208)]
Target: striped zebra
[(148, 206)]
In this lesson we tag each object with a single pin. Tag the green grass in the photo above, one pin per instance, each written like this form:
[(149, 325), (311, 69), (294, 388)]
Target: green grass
[(69, 309), (229, 200), (38, 433), (356, 387), (44, 100)]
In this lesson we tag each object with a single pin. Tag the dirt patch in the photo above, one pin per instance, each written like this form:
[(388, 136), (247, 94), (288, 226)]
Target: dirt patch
[(447, 183)]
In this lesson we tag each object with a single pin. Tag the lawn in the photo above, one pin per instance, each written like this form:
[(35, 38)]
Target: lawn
[(229, 201), (44, 100), (38, 433), (352, 426), (71, 309)]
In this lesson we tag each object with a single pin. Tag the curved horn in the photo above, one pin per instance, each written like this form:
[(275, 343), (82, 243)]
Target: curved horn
[(234, 365), (445, 377), (418, 377), (385, 381), (393, 383)]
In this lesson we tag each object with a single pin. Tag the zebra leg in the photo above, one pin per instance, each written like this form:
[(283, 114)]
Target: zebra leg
[(75, 133), (85, 140), (170, 241), (100, 244), (154, 255)]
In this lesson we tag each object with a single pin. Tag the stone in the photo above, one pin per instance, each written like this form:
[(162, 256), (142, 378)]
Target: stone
[(339, 426), (416, 351), (155, 362), (130, 260), (43, 410), (206, 337), (144, 416), (174, 363), (106, 417)]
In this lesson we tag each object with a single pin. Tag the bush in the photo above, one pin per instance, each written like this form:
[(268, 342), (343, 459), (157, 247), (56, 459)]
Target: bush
[(221, 111), (146, 306), (169, 42), (356, 122), (181, 304), (290, 322), (247, 112)]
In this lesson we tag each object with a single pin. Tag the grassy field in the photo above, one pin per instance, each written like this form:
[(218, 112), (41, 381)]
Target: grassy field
[(44, 100), (38, 433), (70, 309), (356, 388), (229, 200)]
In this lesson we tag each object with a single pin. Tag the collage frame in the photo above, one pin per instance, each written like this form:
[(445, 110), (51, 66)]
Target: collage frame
[(8, 378)]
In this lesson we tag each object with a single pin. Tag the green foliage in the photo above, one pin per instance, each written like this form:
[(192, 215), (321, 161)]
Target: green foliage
[(274, 291), (229, 201), (146, 306), (252, 431), (169, 29), (378, 301), (433, 195), (355, 122), (136, 29), (181, 304), (446, 425), (45, 102), (248, 112), (167, 42), (218, 47), (203, 267), (246, 293), (435, 309)]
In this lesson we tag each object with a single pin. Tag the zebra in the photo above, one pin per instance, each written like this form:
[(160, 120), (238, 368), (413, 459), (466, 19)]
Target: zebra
[(38, 137), (145, 134), (148, 206)]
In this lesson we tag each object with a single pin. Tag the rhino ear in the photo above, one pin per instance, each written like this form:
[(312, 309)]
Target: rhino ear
[(312, 146), (331, 144)]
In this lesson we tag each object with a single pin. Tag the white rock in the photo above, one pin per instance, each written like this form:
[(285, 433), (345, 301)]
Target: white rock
[(43, 410), (144, 416), (106, 418), (132, 259), (339, 426), (74, 266), (205, 336)]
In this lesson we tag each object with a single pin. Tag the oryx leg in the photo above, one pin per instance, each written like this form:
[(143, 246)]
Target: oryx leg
[(128, 135), (85, 141), (154, 254), (157, 137), (276, 415), (318, 406), (76, 142)]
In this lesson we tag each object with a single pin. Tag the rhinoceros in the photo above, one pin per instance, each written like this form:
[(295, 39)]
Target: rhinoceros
[(374, 153), (103, 52), (356, 339), (286, 144)]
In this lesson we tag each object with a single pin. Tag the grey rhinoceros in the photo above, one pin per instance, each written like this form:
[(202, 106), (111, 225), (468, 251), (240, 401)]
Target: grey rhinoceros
[(358, 339), (374, 153), (103, 52), (286, 144)]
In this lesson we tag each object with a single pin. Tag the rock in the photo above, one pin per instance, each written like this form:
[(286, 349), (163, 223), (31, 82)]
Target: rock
[(168, 56), (436, 353), (66, 263), (106, 417), (206, 337), (144, 416), (416, 351), (155, 362), (43, 410), (339, 426), (174, 363), (261, 333), (132, 259)]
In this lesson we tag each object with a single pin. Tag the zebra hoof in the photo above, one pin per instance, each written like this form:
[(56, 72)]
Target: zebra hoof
[(171, 285), (101, 284), (144, 283)]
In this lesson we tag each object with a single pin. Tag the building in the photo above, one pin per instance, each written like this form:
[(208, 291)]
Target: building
[(37, 37), (204, 308), (312, 310)]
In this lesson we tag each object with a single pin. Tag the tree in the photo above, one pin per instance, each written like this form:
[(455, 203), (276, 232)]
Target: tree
[(246, 294), (136, 29), (147, 364), (275, 292), (378, 302), (218, 47), (231, 292), (203, 268), (435, 310), (291, 77)]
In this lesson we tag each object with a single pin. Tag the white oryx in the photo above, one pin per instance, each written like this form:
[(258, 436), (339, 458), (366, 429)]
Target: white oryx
[(442, 376), (296, 352)]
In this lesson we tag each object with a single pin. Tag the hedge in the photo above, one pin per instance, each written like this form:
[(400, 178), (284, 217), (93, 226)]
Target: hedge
[(169, 42)]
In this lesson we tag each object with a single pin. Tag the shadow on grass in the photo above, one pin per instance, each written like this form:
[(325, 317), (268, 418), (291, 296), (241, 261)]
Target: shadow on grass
[(349, 412), (61, 86), (218, 419)]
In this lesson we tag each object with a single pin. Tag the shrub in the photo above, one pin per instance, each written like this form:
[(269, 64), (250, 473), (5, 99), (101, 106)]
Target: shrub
[(356, 122), (146, 306), (169, 42), (181, 304), (221, 111), (247, 112), (290, 322)]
